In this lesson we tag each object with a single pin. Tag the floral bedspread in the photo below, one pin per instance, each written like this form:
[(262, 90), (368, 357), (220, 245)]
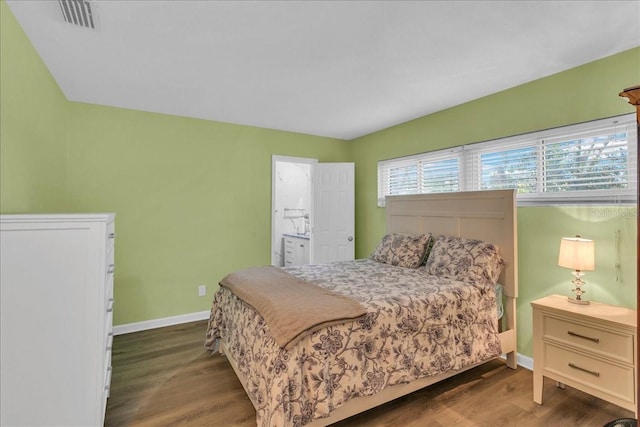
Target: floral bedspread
[(416, 325)]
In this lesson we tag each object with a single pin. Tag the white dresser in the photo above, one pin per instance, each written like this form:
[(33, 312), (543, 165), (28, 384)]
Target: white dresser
[(56, 295)]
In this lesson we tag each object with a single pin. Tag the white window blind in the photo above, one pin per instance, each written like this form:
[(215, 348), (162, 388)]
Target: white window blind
[(588, 162), (437, 173), (511, 164)]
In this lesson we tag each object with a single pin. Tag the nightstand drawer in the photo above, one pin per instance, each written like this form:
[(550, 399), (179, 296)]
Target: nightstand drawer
[(615, 345), (604, 377)]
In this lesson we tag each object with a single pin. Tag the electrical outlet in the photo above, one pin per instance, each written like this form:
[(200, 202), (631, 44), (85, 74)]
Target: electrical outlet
[(202, 290)]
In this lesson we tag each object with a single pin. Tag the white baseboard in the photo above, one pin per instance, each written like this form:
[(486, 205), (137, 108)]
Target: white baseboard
[(524, 361), (160, 323)]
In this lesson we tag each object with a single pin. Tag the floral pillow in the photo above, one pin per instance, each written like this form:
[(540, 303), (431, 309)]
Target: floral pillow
[(466, 260), (402, 250)]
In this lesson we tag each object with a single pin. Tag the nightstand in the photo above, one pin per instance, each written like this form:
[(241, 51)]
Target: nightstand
[(588, 347)]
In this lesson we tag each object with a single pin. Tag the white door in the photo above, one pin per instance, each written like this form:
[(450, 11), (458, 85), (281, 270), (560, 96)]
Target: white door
[(332, 220)]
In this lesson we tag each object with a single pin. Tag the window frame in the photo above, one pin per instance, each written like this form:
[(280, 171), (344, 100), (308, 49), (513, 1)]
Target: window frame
[(470, 168)]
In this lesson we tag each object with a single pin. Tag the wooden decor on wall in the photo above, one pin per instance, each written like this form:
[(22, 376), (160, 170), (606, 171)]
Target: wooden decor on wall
[(633, 94)]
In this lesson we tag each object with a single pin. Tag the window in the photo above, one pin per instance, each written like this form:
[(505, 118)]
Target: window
[(438, 172), (589, 162)]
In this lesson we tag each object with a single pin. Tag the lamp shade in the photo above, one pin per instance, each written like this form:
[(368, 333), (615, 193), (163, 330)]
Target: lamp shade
[(577, 254)]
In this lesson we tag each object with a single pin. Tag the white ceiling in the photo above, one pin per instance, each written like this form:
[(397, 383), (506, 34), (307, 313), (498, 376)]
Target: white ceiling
[(332, 68)]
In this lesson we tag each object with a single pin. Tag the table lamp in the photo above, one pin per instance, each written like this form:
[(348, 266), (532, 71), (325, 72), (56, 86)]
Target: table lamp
[(577, 254)]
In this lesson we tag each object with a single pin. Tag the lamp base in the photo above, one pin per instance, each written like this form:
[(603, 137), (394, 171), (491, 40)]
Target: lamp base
[(578, 283), (578, 301)]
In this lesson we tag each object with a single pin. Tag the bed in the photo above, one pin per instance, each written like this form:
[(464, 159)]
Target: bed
[(409, 334)]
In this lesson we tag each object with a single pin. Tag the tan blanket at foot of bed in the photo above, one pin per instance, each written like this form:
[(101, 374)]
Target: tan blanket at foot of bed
[(291, 307)]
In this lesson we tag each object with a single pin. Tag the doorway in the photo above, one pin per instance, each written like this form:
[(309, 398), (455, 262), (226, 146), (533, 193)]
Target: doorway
[(291, 201), (312, 216)]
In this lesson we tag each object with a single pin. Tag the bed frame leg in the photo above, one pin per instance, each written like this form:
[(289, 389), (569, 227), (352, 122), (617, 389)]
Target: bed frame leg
[(510, 312), (512, 361)]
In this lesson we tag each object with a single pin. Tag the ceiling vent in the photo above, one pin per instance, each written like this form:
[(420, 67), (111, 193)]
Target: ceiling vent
[(78, 12)]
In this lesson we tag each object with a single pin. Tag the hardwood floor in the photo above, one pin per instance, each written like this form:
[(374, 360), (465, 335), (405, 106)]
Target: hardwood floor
[(164, 377)]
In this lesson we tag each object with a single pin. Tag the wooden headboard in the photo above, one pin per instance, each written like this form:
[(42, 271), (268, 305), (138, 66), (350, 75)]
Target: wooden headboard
[(484, 215)]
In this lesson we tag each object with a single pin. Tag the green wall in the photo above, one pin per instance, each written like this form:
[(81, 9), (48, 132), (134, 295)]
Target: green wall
[(34, 118), (193, 197), (584, 93)]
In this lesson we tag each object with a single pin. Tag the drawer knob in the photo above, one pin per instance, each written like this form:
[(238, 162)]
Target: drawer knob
[(112, 235), (594, 373), (573, 334)]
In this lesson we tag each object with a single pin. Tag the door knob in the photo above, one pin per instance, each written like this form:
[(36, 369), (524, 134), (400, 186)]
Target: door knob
[(350, 238)]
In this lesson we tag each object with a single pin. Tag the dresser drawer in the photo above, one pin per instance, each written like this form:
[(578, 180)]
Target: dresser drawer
[(107, 369), (106, 391), (614, 380), (107, 383), (289, 255), (109, 306), (606, 343), (111, 237), (108, 291), (108, 342)]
